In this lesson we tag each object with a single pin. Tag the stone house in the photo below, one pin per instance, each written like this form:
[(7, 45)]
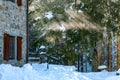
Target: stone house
[(13, 31)]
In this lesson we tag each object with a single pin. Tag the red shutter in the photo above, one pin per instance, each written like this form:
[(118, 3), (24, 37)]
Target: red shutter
[(19, 48), (6, 46), (19, 2)]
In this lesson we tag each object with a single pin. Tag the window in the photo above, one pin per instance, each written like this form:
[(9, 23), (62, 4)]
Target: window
[(12, 47), (11, 0), (19, 2)]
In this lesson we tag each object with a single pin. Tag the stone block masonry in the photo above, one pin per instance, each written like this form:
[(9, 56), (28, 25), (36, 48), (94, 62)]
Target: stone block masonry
[(13, 22)]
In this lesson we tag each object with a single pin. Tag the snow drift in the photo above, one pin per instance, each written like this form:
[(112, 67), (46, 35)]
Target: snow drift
[(55, 72)]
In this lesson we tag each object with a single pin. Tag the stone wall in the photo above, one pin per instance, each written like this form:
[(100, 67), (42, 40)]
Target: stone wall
[(13, 22)]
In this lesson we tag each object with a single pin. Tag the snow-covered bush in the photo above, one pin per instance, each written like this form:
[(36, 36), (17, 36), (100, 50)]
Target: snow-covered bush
[(102, 68)]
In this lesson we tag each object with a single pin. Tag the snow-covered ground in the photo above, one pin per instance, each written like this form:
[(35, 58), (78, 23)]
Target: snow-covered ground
[(55, 72)]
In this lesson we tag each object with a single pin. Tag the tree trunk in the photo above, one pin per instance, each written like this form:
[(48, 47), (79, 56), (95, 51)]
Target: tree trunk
[(118, 52), (75, 3), (78, 62), (109, 54), (99, 53)]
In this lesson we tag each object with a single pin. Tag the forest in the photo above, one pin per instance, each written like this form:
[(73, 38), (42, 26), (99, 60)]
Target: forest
[(84, 33)]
